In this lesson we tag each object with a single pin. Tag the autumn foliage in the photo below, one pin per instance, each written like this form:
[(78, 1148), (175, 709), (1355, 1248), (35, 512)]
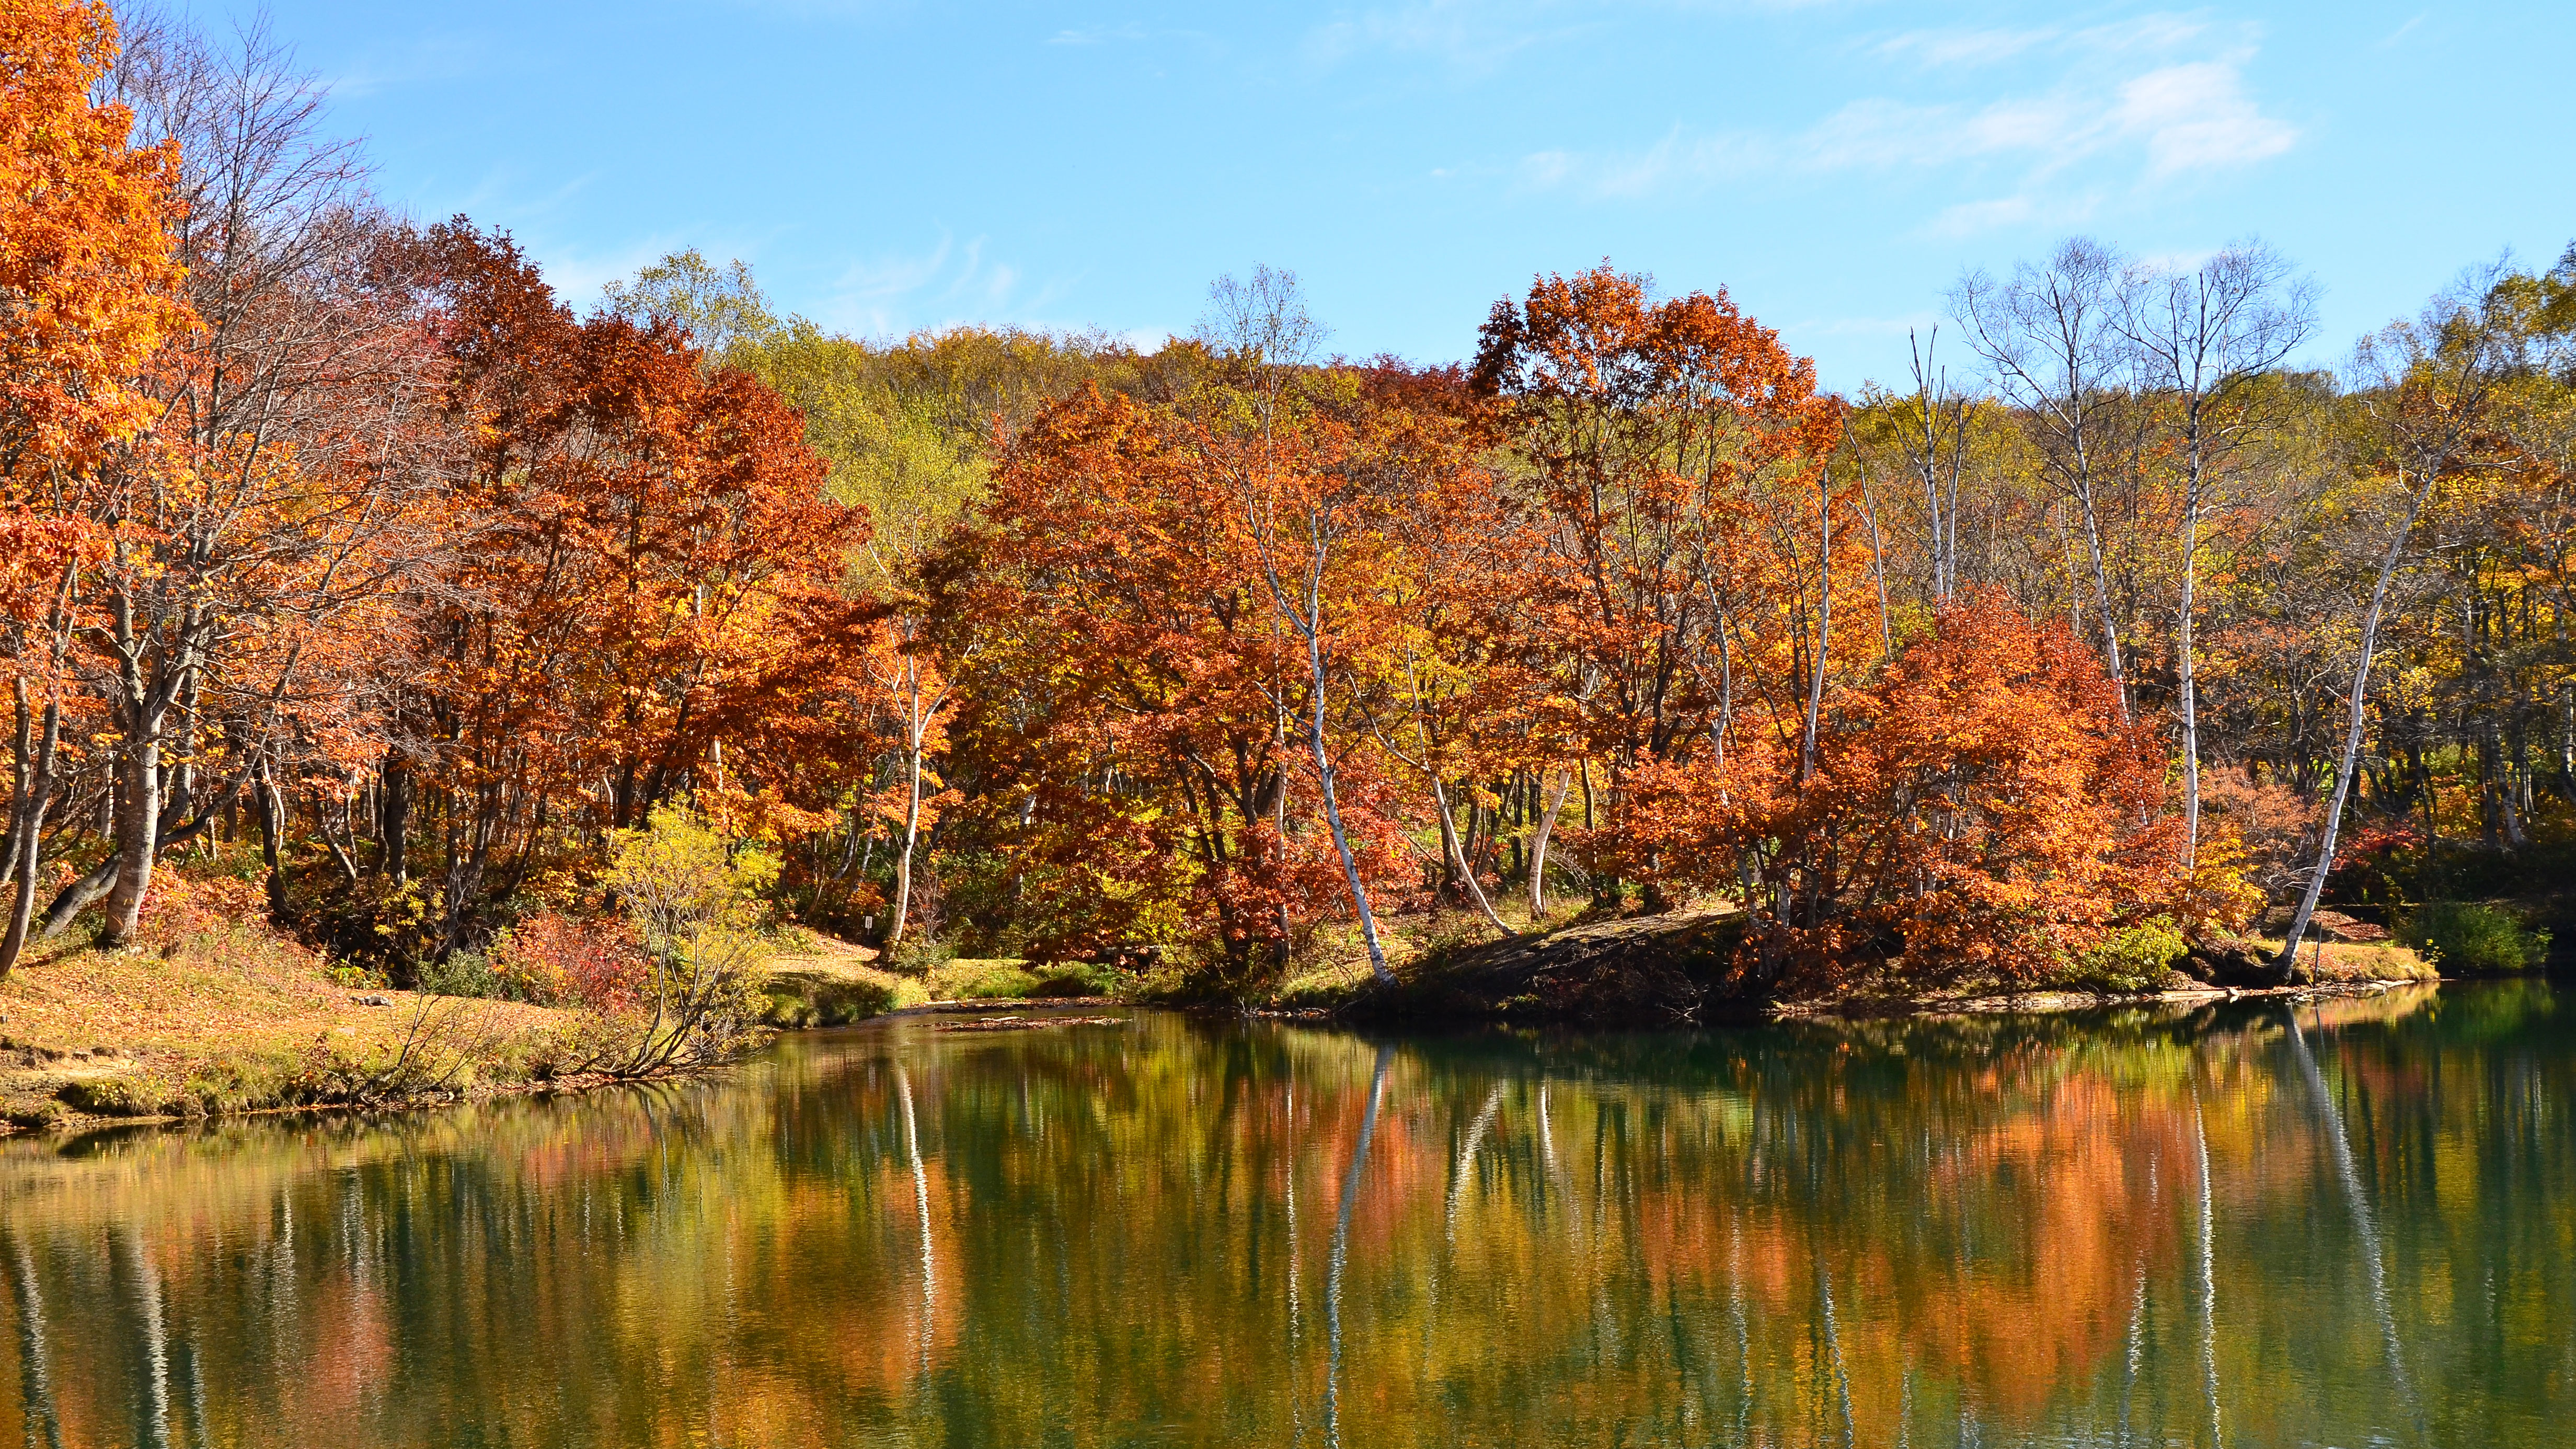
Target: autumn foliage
[(1978, 809), (341, 554)]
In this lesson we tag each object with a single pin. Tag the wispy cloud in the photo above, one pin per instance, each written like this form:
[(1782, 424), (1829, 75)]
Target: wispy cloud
[(1474, 35), (427, 60), (1994, 45), (579, 274), (946, 283), (1098, 34), (2137, 105)]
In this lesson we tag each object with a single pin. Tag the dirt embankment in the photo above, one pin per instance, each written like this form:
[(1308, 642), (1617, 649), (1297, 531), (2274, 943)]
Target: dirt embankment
[(1677, 969)]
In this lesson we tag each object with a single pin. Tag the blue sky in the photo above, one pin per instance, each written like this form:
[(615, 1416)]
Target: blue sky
[(887, 165)]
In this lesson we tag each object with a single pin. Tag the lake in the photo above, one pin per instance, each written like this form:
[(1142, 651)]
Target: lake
[(2348, 1223)]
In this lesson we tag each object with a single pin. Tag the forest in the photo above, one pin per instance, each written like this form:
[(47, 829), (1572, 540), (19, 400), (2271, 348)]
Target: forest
[(351, 575)]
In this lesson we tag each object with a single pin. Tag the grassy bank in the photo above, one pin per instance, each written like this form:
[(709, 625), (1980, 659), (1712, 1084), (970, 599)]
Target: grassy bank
[(231, 1019), (213, 1013), (824, 982)]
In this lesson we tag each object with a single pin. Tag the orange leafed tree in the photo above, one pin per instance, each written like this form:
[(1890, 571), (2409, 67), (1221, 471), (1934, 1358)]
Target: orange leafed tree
[(1980, 808), (1187, 615), (88, 293), (643, 596), (85, 257), (1692, 535)]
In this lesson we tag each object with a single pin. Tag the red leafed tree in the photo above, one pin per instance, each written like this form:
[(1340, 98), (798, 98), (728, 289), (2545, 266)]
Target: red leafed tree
[(1692, 534), (643, 598), (1979, 808)]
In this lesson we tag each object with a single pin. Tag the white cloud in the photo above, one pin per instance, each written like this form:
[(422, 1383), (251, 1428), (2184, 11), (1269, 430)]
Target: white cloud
[(941, 286), (2197, 117), (2125, 106), (1475, 35)]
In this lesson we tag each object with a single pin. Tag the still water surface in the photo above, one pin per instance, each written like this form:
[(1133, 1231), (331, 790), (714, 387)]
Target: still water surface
[(2351, 1225)]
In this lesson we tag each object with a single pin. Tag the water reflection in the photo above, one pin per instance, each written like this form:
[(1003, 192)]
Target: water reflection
[(2350, 1225)]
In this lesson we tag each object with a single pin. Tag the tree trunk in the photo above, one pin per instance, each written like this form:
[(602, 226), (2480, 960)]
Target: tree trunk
[(1310, 624), (2102, 601), (911, 810), (35, 782), (393, 816), (2186, 681), (1458, 856), (272, 826), (2355, 702), (138, 834), (1333, 819), (1538, 850), (331, 840), (1824, 630)]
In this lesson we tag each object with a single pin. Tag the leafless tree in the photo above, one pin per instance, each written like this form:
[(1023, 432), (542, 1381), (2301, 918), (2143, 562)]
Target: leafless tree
[(261, 497), (2207, 342), (2051, 341)]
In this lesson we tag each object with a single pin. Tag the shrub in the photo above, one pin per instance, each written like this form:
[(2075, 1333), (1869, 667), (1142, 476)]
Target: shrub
[(694, 901), (463, 973), (2131, 958), (2469, 936), (920, 954), (1979, 811), (558, 960)]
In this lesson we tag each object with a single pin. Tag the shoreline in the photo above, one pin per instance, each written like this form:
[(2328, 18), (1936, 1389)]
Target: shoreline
[(1427, 1000), (1924, 1007), (2058, 1002), (71, 1124)]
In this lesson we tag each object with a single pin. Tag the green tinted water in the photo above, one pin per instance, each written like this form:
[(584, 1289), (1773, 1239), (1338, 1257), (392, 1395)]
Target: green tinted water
[(2140, 1230)]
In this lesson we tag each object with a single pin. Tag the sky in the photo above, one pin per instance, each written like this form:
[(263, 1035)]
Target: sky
[(888, 165)]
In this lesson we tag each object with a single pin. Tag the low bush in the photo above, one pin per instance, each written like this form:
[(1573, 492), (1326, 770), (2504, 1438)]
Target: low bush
[(2131, 959), (920, 954), (464, 973), (2471, 936), (693, 902), (558, 960)]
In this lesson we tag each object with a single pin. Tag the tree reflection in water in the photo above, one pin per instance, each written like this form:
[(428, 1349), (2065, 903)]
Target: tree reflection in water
[(2137, 1228)]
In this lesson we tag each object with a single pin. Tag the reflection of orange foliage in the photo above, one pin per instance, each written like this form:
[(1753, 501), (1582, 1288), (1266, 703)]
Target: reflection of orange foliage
[(1135, 1225), (2101, 1172)]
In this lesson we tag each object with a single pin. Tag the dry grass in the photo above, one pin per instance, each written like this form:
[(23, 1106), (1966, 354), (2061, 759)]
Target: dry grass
[(824, 982), (2350, 961), (221, 1015)]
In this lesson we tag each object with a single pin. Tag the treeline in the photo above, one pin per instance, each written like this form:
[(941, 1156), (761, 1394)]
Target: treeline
[(343, 554)]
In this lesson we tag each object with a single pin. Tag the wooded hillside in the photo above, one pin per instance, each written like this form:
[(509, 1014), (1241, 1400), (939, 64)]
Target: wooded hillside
[(338, 552)]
